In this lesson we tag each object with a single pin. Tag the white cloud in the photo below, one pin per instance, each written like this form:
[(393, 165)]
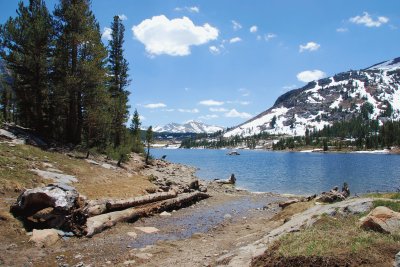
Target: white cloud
[(192, 9), (310, 75), (236, 25), (253, 29), (209, 117), (342, 30), (368, 21), (142, 118), (244, 91), (244, 103), (174, 37), (310, 46), (168, 110), (218, 110), (233, 113), (122, 17), (214, 50), (155, 105), (195, 110), (269, 36), (235, 40), (106, 33), (211, 102)]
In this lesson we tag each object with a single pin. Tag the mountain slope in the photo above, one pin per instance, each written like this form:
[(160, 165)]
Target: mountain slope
[(189, 127), (327, 100)]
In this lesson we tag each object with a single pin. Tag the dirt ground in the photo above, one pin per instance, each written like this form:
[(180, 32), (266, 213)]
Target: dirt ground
[(199, 235)]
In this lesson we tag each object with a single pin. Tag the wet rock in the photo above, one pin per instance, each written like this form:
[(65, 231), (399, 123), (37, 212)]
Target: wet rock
[(44, 238), (227, 216), (382, 219), (147, 230)]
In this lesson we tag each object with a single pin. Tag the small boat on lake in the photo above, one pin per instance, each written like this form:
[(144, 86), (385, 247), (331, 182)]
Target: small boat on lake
[(233, 153)]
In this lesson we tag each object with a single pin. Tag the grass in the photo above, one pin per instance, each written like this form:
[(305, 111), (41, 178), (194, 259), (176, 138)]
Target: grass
[(94, 181), (393, 205), (384, 195), (332, 236)]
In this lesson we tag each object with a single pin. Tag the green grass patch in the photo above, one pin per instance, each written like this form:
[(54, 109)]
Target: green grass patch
[(392, 195), (393, 205), (332, 236)]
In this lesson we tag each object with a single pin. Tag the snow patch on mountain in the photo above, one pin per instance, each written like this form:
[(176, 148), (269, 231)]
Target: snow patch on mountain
[(188, 127)]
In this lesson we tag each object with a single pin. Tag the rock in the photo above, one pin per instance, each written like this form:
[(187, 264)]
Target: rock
[(203, 189), (56, 176), (358, 208), (397, 260), (288, 203), (165, 214), (194, 185), (144, 256), (382, 219), (44, 238), (147, 230), (227, 216), (132, 234)]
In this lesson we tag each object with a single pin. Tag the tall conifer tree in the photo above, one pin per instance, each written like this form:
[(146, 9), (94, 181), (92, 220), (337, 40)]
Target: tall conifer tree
[(119, 80), (80, 73), (27, 42)]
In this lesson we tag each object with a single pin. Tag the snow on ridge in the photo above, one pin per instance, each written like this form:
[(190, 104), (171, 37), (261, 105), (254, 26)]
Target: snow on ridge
[(387, 65)]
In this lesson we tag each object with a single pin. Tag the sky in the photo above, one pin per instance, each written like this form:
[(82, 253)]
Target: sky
[(223, 62)]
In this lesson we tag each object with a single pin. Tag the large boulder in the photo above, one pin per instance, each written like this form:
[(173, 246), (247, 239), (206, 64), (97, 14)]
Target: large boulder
[(382, 219), (44, 238)]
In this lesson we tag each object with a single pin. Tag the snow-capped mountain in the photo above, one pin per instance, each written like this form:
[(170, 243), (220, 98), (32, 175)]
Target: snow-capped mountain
[(330, 99), (189, 127)]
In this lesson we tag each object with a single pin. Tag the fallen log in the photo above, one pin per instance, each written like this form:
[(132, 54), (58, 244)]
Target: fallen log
[(97, 207), (113, 205), (101, 222)]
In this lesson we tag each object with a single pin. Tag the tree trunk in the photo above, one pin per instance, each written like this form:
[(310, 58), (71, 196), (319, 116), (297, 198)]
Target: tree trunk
[(97, 207), (99, 223)]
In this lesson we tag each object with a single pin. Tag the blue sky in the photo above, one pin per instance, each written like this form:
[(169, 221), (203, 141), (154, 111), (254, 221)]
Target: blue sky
[(223, 61)]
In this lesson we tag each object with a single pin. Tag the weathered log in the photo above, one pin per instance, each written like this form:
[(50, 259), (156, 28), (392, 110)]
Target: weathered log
[(113, 205), (334, 195), (99, 223), (97, 207)]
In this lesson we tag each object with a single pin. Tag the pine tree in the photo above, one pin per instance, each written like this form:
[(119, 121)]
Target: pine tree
[(119, 80), (27, 42), (137, 145), (80, 74), (149, 140)]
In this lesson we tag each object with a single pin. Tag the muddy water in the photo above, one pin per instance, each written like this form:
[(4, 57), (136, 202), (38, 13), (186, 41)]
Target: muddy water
[(199, 218)]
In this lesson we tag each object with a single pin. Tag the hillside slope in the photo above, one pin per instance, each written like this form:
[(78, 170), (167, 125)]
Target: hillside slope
[(331, 99)]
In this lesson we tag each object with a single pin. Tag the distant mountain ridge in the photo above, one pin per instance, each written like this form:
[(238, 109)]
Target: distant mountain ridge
[(189, 127), (331, 99)]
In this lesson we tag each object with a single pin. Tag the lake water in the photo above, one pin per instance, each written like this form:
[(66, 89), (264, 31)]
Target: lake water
[(291, 172)]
